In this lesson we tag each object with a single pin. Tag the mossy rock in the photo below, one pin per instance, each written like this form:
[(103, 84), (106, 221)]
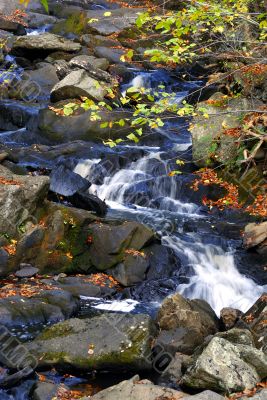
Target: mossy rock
[(109, 342)]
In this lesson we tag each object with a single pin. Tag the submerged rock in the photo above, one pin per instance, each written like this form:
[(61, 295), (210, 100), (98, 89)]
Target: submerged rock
[(108, 342)]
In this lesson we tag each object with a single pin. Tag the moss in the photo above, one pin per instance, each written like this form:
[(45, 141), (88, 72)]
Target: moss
[(58, 330), (75, 24)]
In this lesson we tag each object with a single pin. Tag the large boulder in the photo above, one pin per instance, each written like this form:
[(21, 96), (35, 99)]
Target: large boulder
[(19, 199), (50, 306), (61, 129), (44, 43), (209, 135), (178, 312), (108, 342), (79, 84), (184, 324), (135, 388), (111, 243), (132, 270), (91, 63), (229, 363)]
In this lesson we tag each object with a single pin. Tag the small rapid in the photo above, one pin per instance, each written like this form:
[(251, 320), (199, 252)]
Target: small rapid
[(145, 191)]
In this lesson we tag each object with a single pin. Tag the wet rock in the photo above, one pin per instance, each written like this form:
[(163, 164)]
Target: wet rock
[(19, 201), (131, 271), (44, 43), (16, 114), (176, 311), (162, 262), (47, 307), (116, 239), (108, 342), (66, 182), (87, 201), (89, 62), (134, 389), (61, 129), (45, 77), (78, 84), (256, 236), (229, 317), (26, 271), (36, 20), (229, 363)]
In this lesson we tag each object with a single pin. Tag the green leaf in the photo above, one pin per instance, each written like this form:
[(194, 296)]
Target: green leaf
[(45, 5), (133, 137), (104, 125)]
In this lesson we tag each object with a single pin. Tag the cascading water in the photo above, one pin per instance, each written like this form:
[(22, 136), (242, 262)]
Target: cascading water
[(145, 192)]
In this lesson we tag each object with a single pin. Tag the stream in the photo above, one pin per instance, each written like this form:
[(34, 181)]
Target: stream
[(135, 182)]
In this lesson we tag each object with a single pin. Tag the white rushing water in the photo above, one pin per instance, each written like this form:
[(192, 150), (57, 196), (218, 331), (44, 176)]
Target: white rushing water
[(216, 278), (145, 190)]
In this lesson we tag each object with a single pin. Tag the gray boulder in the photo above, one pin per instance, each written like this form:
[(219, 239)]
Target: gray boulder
[(228, 364), (47, 307), (26, 271), (131, 271), (113, 55), (19, 199), (134, 389), (61, 129), (116, 239), (89, 62), (108, 342), (45, 42), (116, 22), (78, 84)]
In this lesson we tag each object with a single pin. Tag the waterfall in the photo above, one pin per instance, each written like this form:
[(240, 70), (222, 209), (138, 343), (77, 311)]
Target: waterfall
[(144, 191), (216, 278)]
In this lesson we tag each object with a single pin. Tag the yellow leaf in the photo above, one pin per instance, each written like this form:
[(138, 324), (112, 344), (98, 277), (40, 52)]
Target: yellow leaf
[(107, 14)]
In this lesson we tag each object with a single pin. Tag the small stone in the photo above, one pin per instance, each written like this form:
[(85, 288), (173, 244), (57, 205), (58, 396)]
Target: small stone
[(27, 271)]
